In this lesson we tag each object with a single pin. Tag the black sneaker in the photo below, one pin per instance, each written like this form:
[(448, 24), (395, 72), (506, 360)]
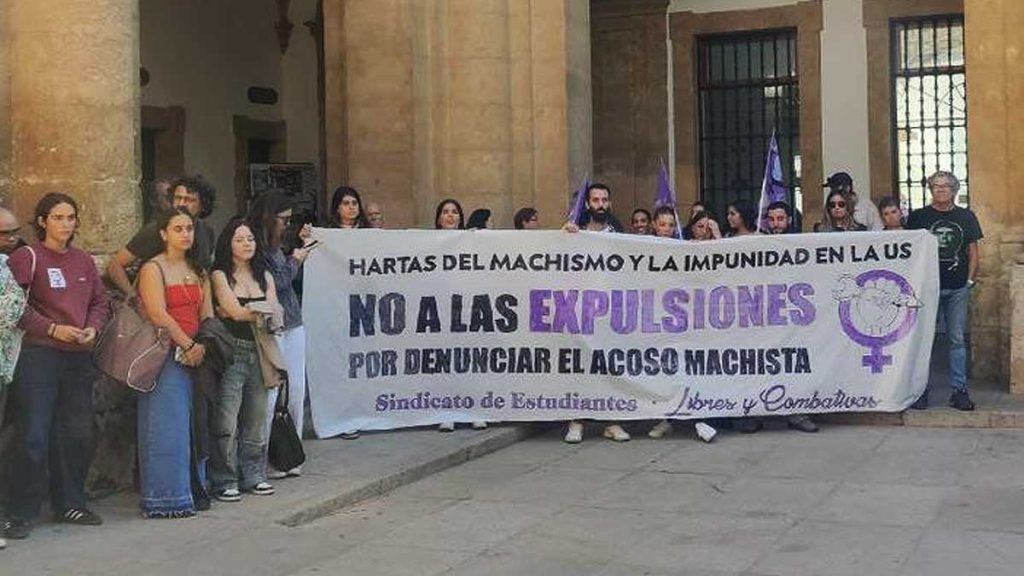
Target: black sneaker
[(15, 528), (921, 403), (961, 401)]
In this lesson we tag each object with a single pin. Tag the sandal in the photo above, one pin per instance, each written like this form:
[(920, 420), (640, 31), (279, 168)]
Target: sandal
[(262, 489), (80, 517), (228, 495)]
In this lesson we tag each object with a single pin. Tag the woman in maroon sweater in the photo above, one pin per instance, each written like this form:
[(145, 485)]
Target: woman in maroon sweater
[(52, 391)]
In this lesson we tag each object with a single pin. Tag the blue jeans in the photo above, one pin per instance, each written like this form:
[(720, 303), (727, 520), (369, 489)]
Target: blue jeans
[(953, 305), (165, 442), (52, 394), (242, 404)]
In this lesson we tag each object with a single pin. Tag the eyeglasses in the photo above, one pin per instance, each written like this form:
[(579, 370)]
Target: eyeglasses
[(10, 234), (832, 205)]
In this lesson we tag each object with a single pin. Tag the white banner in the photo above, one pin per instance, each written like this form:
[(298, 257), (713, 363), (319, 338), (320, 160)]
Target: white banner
[(407, 328)]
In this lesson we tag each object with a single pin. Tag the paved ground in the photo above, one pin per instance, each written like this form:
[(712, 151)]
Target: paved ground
[(850, 500)]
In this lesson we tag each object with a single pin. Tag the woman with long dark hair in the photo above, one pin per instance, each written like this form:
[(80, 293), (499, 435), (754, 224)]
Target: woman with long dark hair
[(240, 277), (525, 219), (53, 379), (175, 292), (269, 218), (347, 209), (449, 216), (742, 218), (702, 226)]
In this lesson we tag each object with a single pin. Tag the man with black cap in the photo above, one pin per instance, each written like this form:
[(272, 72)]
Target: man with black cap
[(864, 211)]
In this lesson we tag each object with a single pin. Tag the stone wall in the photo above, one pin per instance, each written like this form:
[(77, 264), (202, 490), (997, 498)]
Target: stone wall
[(69, 120), (630, 82), (5, 107), (996, 139), (486, 102), (74, 70)]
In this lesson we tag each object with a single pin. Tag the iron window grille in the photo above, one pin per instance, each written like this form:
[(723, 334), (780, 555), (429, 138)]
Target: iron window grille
[(929, 92), (748, 86)]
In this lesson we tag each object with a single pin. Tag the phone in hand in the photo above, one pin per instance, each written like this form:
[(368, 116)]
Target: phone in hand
[(179, 355)]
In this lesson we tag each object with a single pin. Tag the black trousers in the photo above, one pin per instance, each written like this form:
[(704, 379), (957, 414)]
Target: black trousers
[(52, 394)]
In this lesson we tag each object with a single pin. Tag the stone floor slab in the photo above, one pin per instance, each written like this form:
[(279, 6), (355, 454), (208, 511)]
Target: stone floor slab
[(791, 497), (827, 549), (660, 492), (382, 560), (883, 504), (469, 526), (944, 552), (984, 509)]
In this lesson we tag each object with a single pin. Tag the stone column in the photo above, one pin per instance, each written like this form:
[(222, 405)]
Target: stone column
[(480, 101), (630, 81), (995, 86), (5, 106), (74, 69)]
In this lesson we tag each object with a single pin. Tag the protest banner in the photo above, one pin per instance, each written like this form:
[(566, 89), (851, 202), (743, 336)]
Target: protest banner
[(408, 328)]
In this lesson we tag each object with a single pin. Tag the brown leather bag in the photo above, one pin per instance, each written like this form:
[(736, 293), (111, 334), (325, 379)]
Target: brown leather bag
[(131, 349)]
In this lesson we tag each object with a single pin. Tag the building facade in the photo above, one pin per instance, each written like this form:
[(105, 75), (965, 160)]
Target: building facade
[(506, 103)]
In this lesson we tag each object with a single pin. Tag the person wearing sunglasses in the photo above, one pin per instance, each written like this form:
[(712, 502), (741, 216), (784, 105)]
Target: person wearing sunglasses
[(269, 218), (838, 215), (862, 209)]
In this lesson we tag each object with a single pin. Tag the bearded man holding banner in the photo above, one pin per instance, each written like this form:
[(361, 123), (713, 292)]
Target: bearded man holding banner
[(592, 211)]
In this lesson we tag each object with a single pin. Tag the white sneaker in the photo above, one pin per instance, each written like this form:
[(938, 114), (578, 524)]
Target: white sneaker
[(276, 474), (615, 432), (446, 427), (3, 543), (705, 431), (297, 471), (575, 433), (479, 425), (660, 429)]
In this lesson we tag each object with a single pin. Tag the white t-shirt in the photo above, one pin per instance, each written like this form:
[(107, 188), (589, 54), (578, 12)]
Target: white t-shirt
[(867, 214)]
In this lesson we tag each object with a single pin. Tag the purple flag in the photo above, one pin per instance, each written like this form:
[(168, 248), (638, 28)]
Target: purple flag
[(665, 196), (579, 199), (773, 189)]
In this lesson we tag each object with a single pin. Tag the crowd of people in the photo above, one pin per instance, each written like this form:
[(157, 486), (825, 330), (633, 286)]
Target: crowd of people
[(231, 305)]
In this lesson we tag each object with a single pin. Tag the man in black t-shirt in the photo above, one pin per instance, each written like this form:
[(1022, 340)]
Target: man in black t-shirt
[(193, 193), (958, 232)]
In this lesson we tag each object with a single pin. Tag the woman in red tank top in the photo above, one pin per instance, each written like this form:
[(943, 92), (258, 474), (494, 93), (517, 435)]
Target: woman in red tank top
[(176, 294)]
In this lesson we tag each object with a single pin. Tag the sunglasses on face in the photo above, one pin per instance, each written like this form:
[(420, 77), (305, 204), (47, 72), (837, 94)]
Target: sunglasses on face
[(832, 205)]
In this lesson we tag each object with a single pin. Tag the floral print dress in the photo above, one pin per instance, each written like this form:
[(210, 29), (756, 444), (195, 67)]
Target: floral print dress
[(12, 304)]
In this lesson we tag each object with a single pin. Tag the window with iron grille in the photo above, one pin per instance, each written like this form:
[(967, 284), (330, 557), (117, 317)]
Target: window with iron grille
[(929, 90), (748, 86)]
